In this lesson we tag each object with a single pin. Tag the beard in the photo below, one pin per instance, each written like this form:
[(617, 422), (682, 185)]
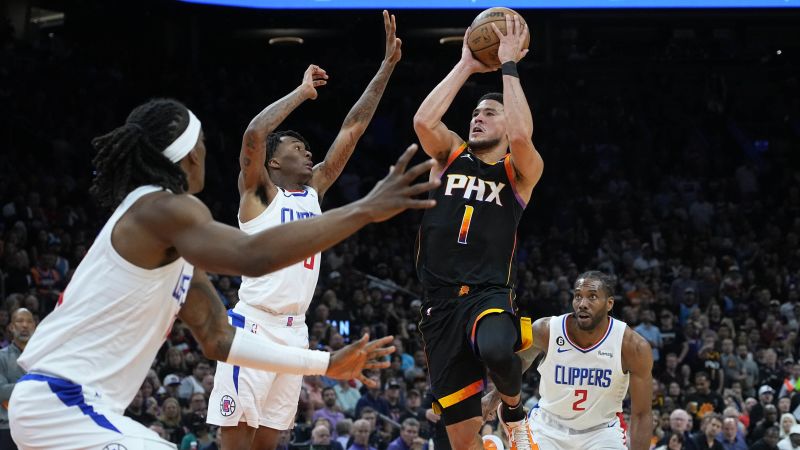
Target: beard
[(483, 144), (595, 321)]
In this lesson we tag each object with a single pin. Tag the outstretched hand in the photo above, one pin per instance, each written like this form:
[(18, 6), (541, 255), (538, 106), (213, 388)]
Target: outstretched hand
[(314, 77), (468, 59), (511, 43), (393, 43), (395, 193), (349, 362)]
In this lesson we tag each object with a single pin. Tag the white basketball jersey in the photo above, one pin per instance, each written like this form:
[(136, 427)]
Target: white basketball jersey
[(583, 387), (288, 291), (111, 321)]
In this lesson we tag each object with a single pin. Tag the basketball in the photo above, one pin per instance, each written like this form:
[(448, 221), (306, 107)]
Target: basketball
[(482, 39)]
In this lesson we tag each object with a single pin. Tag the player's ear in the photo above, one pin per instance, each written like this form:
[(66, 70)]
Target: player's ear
[(610, 304), (273, 163)]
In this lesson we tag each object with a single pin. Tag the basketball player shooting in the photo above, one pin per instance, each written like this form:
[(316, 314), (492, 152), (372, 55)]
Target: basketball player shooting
[(589, 362), (278, 183), (467, 244), (90, 355)]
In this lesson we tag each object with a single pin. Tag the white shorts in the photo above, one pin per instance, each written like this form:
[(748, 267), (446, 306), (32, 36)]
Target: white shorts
[(548, 434), (48, 413), (262, 399)]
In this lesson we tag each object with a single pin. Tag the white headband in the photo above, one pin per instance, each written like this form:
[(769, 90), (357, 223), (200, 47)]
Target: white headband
[(186, 141)]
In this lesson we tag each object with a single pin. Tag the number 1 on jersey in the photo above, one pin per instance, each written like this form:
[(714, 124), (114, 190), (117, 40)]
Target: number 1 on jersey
[(309, 263), (581, 394), (465, 222)]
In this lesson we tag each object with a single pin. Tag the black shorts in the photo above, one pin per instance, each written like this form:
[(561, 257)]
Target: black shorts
[(448, 328)]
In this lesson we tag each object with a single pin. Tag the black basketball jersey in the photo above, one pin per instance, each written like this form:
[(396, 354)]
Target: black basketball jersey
[(470, 236)]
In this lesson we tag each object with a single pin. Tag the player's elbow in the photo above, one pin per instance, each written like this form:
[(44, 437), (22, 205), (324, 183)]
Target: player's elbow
[(424, 122), (216, 343), (520, 136)]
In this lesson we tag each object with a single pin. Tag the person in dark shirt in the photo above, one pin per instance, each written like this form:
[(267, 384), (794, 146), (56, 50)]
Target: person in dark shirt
[(769, 441), (672, 339), (704, 401), (706, 438), (137, 410), (414, 410)]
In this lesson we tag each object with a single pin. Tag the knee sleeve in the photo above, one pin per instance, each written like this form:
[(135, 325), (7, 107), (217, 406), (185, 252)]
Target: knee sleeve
[(495, 340)]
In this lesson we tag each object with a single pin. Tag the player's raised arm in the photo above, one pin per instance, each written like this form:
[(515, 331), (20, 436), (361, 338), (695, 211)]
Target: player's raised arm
[(637, 359), (519, 121), (183, 222), (205, 316), (252, 157), (356, 121), (436, 139)]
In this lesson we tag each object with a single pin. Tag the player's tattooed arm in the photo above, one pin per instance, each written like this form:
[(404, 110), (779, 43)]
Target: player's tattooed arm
[(205, 316), (637, 359), (360, 115), (252, 157)]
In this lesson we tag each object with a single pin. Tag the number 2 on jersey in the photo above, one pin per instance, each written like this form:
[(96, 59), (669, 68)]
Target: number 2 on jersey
[(581, 394), (465, 222)]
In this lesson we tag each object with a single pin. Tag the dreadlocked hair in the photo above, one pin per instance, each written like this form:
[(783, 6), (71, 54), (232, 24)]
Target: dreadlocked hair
[(273, 139), (131, 155)]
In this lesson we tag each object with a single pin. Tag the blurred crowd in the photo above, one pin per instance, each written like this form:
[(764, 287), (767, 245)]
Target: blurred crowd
[(685, 185)]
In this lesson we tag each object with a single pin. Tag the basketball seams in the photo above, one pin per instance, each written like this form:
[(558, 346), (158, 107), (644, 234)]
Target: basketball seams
[(483, 41)]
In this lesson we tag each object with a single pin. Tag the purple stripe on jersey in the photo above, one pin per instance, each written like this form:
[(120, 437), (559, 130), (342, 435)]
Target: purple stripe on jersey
[(71, 394), (237, 320)]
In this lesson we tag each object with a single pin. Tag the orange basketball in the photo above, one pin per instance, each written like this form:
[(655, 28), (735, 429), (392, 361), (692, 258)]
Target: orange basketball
[(482, 39)]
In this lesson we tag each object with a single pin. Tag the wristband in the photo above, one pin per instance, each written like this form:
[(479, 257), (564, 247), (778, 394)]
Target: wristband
[(509, 68)]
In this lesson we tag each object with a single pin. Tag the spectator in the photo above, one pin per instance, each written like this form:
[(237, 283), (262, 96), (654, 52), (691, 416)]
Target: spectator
[(673, 441), (787, 422), (750, 372), (673, 339), (678, 424), (321, 438), (330, 411), (409, 437), (704, 401), (361, 433), (414, 410), (792, 441), (198, 433), (22, 327), (651, 333), (347, 397), (770, 420), (175, 364), (372, 398), (193, 384), (137, 410), (171, 419), (768, 442), (172, 383), (343, 428), (706, 438), (730, 437)]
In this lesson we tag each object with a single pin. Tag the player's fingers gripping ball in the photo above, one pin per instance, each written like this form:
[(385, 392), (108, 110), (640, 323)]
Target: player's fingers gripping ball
[(482, 39)]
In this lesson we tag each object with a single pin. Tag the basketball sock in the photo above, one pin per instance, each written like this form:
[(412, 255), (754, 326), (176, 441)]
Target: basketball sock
[(512, 413)]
